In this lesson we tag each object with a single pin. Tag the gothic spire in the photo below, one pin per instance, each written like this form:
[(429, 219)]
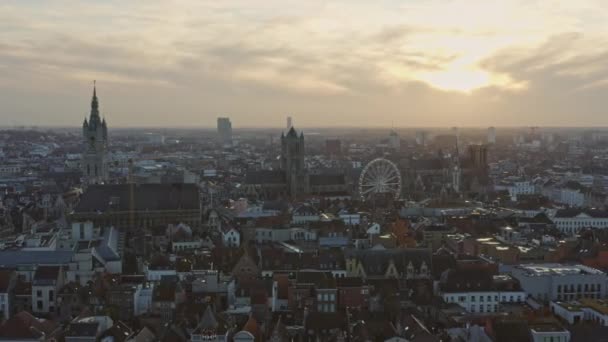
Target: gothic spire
[(94, 104)]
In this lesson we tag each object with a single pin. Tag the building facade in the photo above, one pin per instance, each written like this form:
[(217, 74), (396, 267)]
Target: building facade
[(550, 282)]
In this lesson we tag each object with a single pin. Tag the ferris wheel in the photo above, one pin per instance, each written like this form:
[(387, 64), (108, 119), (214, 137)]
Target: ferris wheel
[(380, 176)]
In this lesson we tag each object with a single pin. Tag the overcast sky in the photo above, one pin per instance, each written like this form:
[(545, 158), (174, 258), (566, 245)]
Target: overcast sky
[(325, 63)]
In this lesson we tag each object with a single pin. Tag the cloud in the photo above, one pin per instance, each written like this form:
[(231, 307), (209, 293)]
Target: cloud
[(424, 62)]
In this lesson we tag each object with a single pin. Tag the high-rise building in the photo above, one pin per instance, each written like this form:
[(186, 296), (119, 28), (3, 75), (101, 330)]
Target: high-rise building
[(292, 162), (289, 123), (394, 141), (491, 135), (421, 138), (224, 131), (95, 139)]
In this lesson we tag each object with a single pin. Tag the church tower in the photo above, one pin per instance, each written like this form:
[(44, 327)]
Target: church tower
[(95, 140), (292, 162)]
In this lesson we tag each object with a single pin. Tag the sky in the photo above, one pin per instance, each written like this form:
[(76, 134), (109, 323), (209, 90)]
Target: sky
[(183, 63)]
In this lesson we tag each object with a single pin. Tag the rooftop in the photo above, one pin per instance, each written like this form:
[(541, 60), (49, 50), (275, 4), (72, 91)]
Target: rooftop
[(558, 270)]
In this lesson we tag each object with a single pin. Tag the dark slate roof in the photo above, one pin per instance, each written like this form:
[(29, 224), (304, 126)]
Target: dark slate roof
[(82, 329), (15, 258), (305, 209), (595, 213), (327, 179), (375, 262), (146, 197), (46, 275), (466, 280), (265, 177), (323, 280)]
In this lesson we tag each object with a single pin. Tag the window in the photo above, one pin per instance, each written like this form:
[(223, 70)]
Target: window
[(489, 298), (481, 298), (472, 298), (39, 305), (51, 295), (559, 288), (39, 293)]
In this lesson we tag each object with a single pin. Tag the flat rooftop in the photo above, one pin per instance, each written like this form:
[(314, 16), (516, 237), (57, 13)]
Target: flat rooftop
[(558, 270), (546, 327)]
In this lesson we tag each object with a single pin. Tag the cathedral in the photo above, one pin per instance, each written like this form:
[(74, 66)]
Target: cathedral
[(293, 179), (95, 138)]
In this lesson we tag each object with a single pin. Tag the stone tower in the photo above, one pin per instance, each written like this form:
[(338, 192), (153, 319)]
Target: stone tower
[(292, 162), (95, 149)]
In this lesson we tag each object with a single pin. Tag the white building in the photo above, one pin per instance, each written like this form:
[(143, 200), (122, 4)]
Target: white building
[(574, 312), (483, 301), (550, 282), (231, 237), (284, 234), (45, 285), (570, 221), (550, 331)]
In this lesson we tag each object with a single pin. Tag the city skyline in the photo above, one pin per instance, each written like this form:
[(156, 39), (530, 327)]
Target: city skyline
[(412, 64)]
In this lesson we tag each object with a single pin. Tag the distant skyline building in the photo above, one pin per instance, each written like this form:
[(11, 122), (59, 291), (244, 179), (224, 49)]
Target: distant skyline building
[(289, 123), (421, 138), (491, 135), (292, 162), (224, 131), (333, 147), (394, 140), (95, 140)]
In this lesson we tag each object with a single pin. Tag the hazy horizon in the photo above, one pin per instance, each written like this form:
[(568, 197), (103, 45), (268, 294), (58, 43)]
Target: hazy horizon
[(403, 64)]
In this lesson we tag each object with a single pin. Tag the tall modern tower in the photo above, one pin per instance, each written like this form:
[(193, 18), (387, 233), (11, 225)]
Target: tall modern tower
[(95, 140), (224, 131), (491, 135), (292, 161)]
